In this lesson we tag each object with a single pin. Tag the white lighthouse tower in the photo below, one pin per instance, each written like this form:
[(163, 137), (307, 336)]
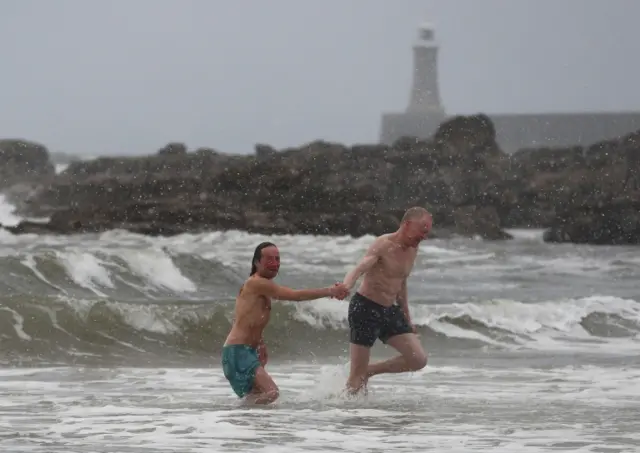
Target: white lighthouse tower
[(425, 93), (424, 113)]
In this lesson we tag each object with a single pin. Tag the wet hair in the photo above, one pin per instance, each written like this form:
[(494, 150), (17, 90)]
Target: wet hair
[(258, 254)]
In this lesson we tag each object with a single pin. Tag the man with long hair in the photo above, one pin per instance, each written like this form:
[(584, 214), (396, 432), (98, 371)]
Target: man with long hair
[(244, 354)]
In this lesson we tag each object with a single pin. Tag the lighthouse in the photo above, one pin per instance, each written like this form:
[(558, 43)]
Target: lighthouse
[(423, 113), (425, 93)]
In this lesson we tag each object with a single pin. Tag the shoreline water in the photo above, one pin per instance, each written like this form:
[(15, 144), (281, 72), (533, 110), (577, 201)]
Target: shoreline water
[(109, 343), (445, 408)]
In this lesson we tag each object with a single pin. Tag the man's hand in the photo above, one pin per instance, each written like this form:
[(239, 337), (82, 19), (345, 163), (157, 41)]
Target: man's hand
[(339, 291)]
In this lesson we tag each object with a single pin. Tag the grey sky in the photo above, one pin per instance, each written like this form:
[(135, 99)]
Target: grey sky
[(96, 77)]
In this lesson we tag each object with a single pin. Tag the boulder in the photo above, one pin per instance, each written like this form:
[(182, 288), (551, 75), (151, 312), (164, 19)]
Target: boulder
[(23, 161), (614, 223)]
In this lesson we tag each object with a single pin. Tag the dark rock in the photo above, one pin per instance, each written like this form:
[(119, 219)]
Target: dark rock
[(599, 202), (461, 175), (481, 221), (22, 161), (265, 151), (614, 223), (173, 149)]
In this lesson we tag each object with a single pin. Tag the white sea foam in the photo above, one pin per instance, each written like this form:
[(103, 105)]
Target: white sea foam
[(551, 325), (8, 216), (59, 168), (443, 408), (538, 294), (528, 234), (522, 296)]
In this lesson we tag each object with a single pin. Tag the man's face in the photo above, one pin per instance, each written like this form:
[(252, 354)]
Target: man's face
[(418, 230), (269, 263)]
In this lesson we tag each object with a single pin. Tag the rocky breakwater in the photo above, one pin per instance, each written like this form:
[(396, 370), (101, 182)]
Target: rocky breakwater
[(596, 195), (319, 188), (23, 166), (582, 195)]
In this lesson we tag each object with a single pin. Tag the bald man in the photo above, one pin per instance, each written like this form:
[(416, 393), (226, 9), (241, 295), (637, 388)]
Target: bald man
[(379, 309)]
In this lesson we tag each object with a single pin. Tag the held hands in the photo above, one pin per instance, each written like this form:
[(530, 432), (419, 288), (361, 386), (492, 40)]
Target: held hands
[(339, 291)]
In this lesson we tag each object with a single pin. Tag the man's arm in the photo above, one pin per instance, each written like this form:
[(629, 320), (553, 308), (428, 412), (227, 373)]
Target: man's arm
[(370, 259), (403, 301), (263, 356), (272, 290)]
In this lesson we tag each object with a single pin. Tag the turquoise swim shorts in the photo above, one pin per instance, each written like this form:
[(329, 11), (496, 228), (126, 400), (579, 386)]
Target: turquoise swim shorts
[(239, 364)]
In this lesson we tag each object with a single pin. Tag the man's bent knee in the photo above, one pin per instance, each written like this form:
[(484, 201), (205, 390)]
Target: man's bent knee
[(417, 360), (409, 347), (263, 397), (264, 391), (271, 395)]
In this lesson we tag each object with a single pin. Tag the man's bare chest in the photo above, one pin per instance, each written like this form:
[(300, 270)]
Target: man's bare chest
[(398, 263), (255, 308)]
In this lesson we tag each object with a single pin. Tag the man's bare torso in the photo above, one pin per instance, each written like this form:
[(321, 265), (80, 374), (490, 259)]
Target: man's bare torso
[(252, 314), (383, 282)]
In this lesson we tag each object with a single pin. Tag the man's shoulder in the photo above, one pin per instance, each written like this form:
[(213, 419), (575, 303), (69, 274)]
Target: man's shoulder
[(256, 282), (383, 239), (383, 242), (252, 281)]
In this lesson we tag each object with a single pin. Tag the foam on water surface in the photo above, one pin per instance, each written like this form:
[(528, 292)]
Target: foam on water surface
[(533, 347), (444, 408), (7, 212), (515, 295)]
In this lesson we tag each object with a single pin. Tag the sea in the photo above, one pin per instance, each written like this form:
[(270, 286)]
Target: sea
[(110, 343)]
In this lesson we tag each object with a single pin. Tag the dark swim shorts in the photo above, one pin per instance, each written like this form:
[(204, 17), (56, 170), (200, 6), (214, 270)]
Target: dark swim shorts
[(369, 321)]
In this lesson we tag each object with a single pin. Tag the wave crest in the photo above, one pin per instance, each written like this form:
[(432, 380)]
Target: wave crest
[(64, 329)]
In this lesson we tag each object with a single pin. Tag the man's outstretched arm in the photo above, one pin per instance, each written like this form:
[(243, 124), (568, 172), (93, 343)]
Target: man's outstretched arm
[(272, 290)]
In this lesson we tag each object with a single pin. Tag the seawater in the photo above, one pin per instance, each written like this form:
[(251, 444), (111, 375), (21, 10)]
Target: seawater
[(111, 342)]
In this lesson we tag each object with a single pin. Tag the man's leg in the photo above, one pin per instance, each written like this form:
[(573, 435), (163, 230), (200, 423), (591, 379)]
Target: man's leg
[(265, 390), (364, 324), (398, 334), (412, 356), (360, 355)]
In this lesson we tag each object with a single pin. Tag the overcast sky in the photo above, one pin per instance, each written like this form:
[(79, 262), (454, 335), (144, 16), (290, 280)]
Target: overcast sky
[(114, 77)]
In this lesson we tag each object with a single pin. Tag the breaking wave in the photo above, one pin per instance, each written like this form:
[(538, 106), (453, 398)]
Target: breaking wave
[(118, 297), (77, 330)]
